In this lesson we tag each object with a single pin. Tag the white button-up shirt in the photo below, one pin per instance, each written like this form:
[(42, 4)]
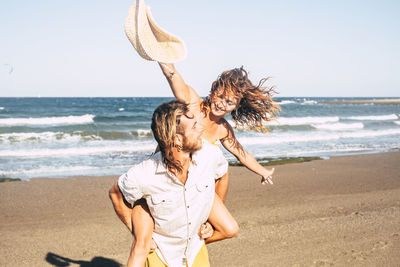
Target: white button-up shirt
[(178, 209)]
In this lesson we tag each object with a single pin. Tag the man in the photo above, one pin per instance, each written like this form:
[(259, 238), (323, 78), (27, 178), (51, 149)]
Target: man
[(178, 185)]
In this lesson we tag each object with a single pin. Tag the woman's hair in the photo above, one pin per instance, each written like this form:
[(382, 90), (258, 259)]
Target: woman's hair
[(255, 102), (165, 125)]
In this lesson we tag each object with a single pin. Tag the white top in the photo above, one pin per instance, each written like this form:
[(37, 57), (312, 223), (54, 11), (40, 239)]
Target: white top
[(178, 209)]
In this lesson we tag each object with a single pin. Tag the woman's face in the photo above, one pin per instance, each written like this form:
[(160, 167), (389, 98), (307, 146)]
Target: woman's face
[(222, 104)]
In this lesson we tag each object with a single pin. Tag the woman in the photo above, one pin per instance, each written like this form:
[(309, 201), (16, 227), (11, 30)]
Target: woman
[(249, 106), (233, 93)]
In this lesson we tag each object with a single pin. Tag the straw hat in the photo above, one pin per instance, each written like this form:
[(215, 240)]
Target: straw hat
[(149, 40)]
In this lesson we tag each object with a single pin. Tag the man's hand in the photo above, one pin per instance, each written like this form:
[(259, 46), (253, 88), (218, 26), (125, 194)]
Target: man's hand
[(206, 230)]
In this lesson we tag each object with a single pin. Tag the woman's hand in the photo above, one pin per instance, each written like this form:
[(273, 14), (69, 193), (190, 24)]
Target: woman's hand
[(206, 230), (153, 246), (267, 177)]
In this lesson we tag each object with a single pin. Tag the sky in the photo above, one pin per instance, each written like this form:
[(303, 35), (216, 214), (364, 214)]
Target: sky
[(74, 48)]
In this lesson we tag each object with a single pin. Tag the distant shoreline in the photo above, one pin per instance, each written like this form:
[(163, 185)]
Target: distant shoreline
[(365, 101)]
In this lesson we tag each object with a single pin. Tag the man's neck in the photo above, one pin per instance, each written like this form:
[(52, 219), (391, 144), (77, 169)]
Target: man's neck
[(184, 158)]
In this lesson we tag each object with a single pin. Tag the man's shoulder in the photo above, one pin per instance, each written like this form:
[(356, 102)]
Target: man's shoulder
[(209, 151), (146, 167)]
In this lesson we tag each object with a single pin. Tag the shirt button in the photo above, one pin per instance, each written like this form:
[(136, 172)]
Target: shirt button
[(190, 224), (187, 206)]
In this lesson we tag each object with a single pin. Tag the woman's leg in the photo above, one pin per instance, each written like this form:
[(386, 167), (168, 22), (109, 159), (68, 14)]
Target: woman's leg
[(225, 226), (221, 186), (143, 226)]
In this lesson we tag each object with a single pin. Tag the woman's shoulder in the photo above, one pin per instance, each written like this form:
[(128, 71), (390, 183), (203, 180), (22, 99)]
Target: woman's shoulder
[(196, 105), (224, 128)]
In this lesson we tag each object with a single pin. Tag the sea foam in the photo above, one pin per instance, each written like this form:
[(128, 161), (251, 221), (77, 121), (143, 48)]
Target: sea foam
[(373, 118), (66, 120), (286, 102), (47, 137), (315, 137), (302, 120), (57, 170), (76, 151), (338, 126)]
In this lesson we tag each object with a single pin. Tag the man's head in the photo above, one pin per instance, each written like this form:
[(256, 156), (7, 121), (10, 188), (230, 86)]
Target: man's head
[(175, 127)]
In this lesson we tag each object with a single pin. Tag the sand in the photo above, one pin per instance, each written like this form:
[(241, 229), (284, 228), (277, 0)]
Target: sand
[(344, 211)]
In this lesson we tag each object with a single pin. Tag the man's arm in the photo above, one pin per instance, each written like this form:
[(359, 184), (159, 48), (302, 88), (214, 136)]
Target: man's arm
[(121, 208)]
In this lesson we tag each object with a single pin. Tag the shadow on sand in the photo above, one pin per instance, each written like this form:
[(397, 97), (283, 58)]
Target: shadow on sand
[(57, 260)]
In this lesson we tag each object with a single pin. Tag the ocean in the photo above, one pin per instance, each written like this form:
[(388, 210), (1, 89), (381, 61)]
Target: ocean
[(63, 137)]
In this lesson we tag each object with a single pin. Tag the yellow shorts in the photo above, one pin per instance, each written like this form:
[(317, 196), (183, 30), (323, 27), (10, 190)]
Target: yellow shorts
[(201, 259)]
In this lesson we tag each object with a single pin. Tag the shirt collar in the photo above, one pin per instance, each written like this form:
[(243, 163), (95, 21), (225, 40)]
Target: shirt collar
[(161, 168), (195, 157)]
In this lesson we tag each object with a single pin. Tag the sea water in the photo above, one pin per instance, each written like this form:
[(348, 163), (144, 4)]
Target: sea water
[(61, 137)]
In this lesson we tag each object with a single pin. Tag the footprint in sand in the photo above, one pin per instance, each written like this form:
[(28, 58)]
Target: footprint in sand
[(359, 255), (322, 263), (362, 255), (380, 245)]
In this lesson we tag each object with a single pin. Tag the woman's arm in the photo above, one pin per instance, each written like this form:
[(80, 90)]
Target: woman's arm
[(180, 89), (232, 145)]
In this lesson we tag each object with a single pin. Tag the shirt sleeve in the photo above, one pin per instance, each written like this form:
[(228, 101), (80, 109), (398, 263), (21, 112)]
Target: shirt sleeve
[(221, 165), (130, 186)]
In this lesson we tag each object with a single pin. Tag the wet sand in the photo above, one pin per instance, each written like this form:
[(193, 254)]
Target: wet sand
[(344, 211)]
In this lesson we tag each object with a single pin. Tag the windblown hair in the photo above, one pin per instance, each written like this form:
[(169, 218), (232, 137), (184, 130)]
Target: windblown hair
[(255, 101), (165, 125)]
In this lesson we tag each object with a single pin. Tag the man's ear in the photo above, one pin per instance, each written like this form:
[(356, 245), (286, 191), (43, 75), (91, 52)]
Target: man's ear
[(178, 140)]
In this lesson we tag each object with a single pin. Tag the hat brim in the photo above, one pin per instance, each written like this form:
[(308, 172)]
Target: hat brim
[(150, 40)]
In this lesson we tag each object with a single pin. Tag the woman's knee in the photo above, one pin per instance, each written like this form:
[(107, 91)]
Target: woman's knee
[(231, 230)]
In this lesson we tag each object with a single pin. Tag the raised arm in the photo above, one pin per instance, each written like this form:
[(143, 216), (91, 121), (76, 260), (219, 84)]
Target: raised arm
[(180, 89), (232, 145)]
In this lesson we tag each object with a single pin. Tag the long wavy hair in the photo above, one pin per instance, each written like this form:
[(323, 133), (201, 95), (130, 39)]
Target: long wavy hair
[(255, 101), (165, 125)]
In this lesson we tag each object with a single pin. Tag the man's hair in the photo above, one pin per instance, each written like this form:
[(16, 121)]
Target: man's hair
[(165, 125), (255, 101)]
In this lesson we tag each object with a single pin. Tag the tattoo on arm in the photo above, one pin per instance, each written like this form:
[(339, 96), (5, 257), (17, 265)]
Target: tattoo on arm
[(233, 142)]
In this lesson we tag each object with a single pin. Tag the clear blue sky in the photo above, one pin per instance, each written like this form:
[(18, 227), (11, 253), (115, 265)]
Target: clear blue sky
[(309, 48)]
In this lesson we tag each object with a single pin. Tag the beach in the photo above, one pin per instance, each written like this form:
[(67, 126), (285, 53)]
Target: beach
[(344, 211)]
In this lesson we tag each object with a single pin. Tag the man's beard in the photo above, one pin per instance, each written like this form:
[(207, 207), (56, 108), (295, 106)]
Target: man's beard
[(190, 145)]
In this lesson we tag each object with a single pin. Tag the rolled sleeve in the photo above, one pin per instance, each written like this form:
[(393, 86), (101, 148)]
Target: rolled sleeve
[(221, 165), (129, 187)]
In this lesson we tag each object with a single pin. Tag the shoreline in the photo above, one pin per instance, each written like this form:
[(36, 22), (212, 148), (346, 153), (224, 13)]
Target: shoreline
[(387, 101), (263, 161), (344, 211)]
